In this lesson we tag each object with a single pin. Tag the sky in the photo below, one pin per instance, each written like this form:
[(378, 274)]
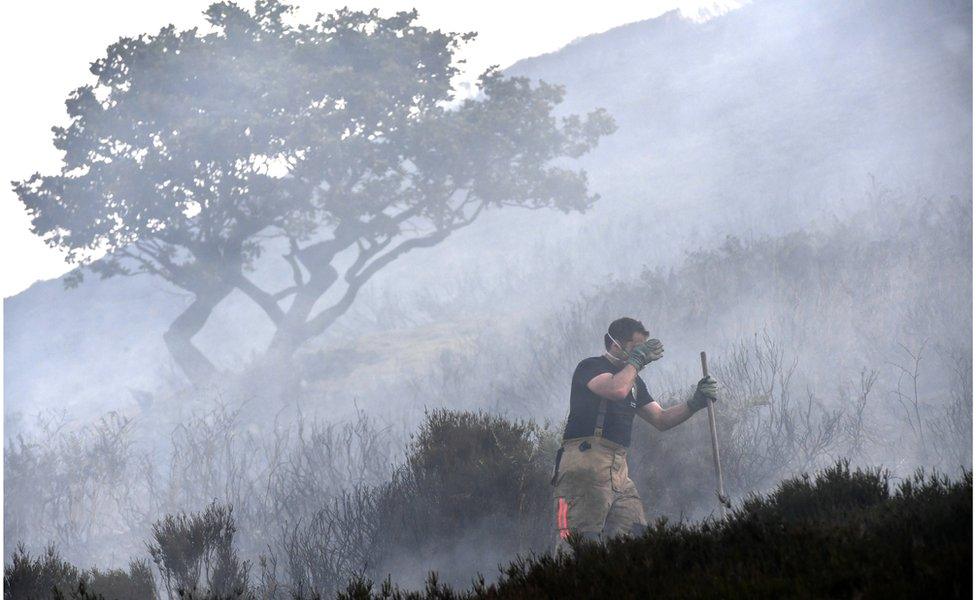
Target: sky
[(48, 45)]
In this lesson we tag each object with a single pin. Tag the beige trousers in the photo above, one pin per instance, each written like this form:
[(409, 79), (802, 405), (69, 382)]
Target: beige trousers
[(594, 494)]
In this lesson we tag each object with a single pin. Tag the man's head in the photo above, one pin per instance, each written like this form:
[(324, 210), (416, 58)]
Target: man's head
[(622, 335)]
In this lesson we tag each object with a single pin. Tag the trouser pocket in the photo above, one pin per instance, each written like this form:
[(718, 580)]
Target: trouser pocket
[(555, 469), (618, 472), (584, 514)]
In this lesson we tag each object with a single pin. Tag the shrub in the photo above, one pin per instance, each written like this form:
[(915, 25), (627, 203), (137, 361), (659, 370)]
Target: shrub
[(27, 577), (474, 491), (68, 486), (832, 495), (915, 542), (336, 543), (137, 583), (196, 550), (49, 576)]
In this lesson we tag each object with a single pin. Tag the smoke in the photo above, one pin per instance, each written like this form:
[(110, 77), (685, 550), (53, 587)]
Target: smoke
[(789, 189)]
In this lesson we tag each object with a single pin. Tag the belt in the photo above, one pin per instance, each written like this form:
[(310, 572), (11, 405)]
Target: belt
[(618, 448)]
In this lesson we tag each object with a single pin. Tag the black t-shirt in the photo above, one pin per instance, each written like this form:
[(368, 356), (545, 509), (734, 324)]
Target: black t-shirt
[(584, 404)]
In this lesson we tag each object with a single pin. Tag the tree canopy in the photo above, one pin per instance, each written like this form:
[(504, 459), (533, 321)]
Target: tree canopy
[(192, 150)]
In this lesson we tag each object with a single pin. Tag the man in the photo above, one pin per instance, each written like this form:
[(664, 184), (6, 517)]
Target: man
[(593, 491)]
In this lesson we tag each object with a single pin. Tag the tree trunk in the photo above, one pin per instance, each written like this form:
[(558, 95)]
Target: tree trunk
[(197, 367), (292, 332)]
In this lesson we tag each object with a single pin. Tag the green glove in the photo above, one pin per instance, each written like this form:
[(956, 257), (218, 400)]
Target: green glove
[(707, 391), (646, 353)]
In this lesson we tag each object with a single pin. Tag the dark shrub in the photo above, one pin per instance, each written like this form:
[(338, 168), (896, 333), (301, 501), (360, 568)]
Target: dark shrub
[(137, 583), (829, 496), (195, 554), (473, 493), (34, 578), (841, 535), (48, 576)]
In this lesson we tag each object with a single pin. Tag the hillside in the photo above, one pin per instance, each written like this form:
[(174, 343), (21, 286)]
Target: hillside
[(771, 111), (764, 120), (841, 534), (807, 334)]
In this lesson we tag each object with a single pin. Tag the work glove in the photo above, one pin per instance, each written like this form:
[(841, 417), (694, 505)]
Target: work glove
[(646, 353), (707, 391)]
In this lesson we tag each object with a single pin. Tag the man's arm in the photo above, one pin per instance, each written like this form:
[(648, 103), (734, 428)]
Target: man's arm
[(664, 418), (614, 387)]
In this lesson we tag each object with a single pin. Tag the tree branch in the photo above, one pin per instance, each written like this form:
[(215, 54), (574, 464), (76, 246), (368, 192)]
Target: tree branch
[(147, 265), (292, 259), (288, 291), (356, 280), (266, 301), (327, 317)]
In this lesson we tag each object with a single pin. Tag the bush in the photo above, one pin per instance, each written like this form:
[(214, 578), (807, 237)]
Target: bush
[(323, 552), (473, 492), (469, 467), (69, 487), (848, 537), (196, 551), (26, 577), (833, 495), (138, 582), (49, 576)]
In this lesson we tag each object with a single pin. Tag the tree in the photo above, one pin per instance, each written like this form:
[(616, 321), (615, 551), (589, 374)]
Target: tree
[(342, 136)]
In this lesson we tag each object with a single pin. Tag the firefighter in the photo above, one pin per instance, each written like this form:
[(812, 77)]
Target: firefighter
[(593, 493)]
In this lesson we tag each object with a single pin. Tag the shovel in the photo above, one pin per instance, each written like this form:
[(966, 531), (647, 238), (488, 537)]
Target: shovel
[(723, 500)]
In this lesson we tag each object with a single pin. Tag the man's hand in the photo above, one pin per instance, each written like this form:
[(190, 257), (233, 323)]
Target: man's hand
[(646, 353), (707, 391)]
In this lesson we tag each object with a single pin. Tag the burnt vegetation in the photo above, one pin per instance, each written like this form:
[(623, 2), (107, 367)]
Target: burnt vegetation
[(300, 507), (839, 533)]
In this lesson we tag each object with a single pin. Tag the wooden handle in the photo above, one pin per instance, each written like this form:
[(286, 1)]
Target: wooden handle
[(723, 501)]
